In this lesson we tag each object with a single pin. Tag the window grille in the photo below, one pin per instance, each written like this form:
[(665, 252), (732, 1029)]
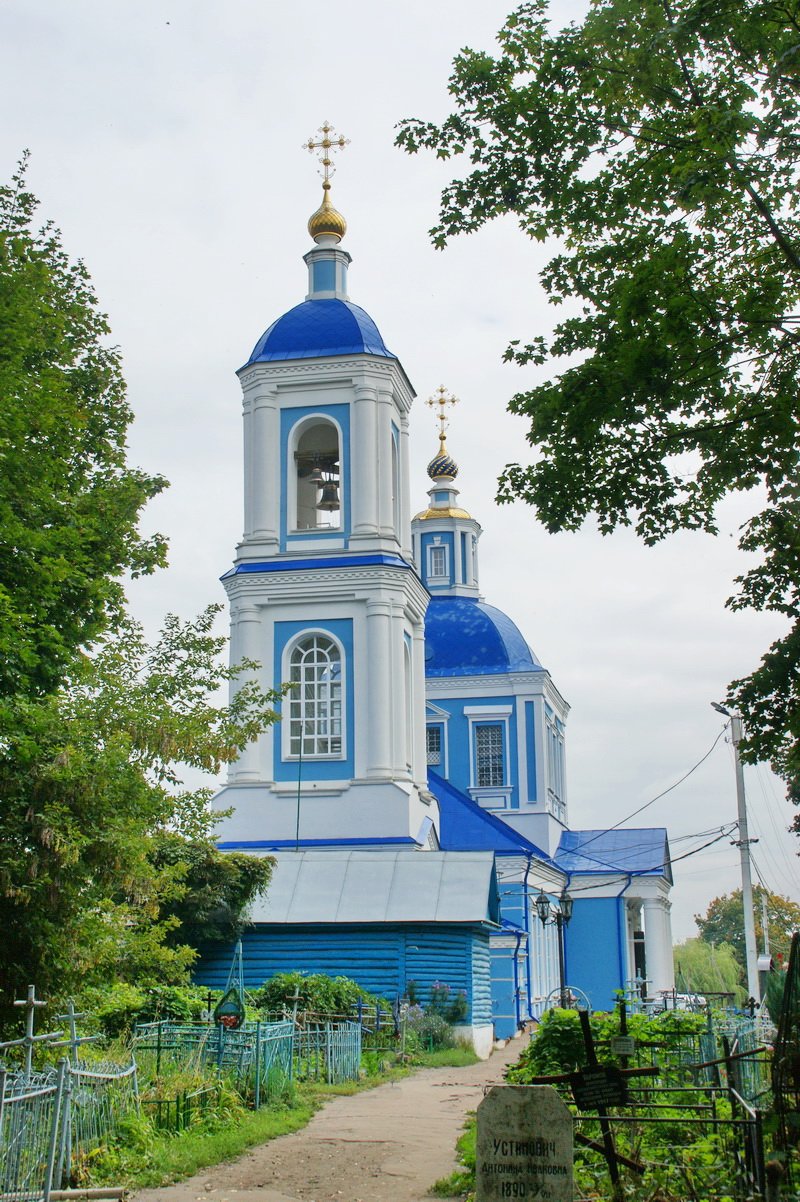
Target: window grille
[(433, 736), (315, 701), (489, 756)]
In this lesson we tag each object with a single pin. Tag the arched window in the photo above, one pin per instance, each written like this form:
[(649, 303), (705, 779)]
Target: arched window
[(317, 499), (315, 700)]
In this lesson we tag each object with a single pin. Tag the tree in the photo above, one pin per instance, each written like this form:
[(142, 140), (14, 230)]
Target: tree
[(708, 968), (101, 849), (69, 503), (723, 922), (658, 142)]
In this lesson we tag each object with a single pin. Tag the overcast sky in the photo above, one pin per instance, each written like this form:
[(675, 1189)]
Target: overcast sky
[(166, 143)]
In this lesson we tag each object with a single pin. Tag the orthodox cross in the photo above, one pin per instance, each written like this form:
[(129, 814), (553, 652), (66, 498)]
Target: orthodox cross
[(442, 399), (31, 1003), (329, 141)]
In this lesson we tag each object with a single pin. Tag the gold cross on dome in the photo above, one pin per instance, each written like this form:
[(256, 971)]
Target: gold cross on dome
[(329, 141), (442, 399)]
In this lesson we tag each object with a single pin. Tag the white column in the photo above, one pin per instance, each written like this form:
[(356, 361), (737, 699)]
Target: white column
[(404, 533), (245, 644), (264, 483), (419, 768), (378, 695), (658, 944), (364, 464), (383, 451), (397, 688)]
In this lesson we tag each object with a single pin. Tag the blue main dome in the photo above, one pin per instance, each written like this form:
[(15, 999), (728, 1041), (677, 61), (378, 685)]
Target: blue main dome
[(317, 328), (464, 637)]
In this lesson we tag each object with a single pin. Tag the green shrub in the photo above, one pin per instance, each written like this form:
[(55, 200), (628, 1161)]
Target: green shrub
[(117, 1009), (318, 993)]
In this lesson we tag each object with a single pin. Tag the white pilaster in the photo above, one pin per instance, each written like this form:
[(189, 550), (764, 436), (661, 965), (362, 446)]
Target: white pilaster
[(385, 506), (364, 472), (246, 644), (263, 486), (378, 697)]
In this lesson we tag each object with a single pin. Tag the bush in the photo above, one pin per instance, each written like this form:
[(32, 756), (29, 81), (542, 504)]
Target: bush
[(430, 1031), (453, 1007), (331, 997), (117, 1009)]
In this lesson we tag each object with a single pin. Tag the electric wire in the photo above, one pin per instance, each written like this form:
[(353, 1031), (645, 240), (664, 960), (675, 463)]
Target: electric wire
[(653, 800)]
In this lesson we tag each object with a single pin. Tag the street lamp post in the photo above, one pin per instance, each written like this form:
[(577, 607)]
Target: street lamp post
[(560, 915), (743, 843)]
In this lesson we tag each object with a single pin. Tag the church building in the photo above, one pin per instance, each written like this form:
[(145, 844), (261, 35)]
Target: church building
[(413, 793)]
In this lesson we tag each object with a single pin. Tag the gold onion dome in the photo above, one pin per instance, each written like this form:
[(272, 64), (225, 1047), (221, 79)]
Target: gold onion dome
[(327, 221)]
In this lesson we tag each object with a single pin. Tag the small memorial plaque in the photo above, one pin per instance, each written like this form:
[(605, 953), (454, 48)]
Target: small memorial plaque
[(524, 1145), (623, 1045), (601, 1086)]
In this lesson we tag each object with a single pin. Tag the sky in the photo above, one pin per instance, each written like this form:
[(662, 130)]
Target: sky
[(166, 141)]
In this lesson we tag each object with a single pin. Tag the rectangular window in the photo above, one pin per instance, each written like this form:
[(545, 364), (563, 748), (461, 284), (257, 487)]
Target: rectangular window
[(438, 561), (489, 766), (433, 736)]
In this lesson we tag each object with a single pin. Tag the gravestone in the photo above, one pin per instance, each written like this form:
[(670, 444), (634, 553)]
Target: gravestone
[(524, 1147)]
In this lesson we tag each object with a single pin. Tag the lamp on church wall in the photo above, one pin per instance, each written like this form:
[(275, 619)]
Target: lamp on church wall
[(559, 915)]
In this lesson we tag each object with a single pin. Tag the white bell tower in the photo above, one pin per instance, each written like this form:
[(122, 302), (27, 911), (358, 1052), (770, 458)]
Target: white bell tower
[(323, 592)]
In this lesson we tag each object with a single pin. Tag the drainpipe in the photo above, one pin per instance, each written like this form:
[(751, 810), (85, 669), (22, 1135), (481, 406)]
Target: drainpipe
[(517, 1011), (527, 925)]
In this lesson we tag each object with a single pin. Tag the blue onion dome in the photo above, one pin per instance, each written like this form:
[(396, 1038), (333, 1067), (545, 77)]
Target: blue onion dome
[(467, 637), (442, 466), (316, 329)]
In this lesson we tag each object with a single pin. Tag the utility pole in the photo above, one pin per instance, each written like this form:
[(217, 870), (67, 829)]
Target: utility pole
[(743, 843)]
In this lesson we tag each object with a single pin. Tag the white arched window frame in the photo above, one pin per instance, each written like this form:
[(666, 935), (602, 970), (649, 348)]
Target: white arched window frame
[(314, 709), (303, 497)]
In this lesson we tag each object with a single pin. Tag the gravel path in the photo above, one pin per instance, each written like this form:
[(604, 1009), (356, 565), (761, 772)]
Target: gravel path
[(383, 1145)]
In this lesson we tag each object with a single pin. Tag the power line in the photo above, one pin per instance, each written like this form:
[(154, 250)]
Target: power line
[(658, 796)]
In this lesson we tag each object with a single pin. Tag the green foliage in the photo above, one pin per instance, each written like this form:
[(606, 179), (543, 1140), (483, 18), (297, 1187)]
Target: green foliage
[(657, 142), (557, 1046), (452, 1006), (723, 922), (773, 994), (214, 888), (316, 992), (708, 968), (427, 1031), (69, 503), (90, 780), (116, 1008)]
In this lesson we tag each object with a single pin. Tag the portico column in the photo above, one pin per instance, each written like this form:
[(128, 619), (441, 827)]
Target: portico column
[(658, 944)]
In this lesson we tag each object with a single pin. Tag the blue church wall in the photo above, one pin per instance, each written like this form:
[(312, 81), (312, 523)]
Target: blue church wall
[(508, 1007), (530, 748), (442, 539), (460, 755), (340, 629), (382, 958), (595, 949), (340, 414)]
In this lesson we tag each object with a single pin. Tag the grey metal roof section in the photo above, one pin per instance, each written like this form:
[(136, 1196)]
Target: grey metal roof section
[(379, 886)]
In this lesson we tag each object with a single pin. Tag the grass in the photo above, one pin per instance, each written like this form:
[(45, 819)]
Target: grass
[(144, 1158), (461, 1182)]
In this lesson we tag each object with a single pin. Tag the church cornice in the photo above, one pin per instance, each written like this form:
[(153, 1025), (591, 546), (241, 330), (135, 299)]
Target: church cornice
[(351, 368)]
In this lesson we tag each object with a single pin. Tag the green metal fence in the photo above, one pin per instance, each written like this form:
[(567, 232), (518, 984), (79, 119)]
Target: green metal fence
[(256, 1057), (328, 1052), (30, 1129)]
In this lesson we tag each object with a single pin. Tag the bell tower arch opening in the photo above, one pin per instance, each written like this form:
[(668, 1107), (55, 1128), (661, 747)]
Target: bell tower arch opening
[(315, 496)]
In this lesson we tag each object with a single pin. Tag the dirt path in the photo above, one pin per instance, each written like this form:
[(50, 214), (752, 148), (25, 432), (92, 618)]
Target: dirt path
[(384, 1145)]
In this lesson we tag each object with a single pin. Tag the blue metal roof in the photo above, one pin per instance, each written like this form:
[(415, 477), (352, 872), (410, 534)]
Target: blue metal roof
[(642, 852), (318, 328), (464, 826), (465, 637)]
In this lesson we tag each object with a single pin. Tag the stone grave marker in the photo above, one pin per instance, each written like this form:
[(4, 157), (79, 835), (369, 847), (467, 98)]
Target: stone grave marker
[(524, 1147)]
